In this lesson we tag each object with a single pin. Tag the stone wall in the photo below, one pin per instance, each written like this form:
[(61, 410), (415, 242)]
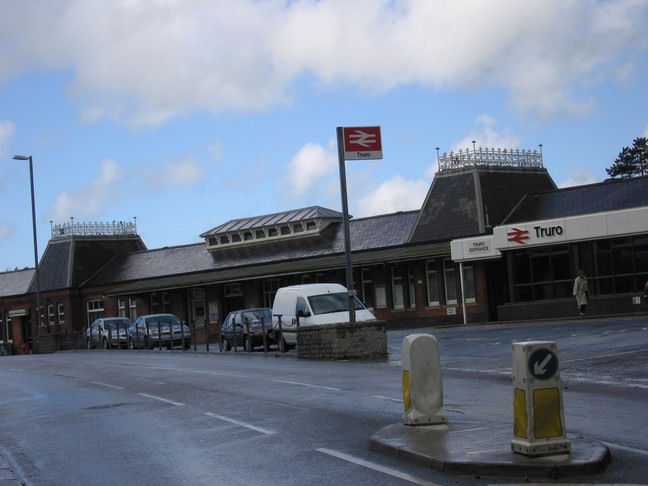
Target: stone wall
[(360, 340), (50, 343)]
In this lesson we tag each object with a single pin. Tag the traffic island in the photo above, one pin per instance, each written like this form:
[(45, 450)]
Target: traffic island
[(485, 450)]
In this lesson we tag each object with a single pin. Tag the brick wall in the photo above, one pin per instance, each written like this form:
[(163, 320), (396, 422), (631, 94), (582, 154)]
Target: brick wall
[(342, 341)]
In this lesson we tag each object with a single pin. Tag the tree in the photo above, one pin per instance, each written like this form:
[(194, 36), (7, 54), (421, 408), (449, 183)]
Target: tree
[(631, 161)]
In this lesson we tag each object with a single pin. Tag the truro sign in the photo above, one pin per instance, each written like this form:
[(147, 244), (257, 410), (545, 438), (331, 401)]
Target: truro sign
[(577, 228)]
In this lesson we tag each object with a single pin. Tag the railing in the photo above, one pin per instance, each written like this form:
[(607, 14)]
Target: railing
[(116, 228), (490, 157)]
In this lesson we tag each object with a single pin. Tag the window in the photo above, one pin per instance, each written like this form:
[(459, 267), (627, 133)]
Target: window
[(247, 236), (269, 291), (236, 237), (285, 230), (51, 318), (122, 311), (450, 281), (132, 305), (298, 228), (365, 284), (381, 297), (60, 308), (95, 310), (412, 289), (432, 283), (272, 232), (469, 284), (397, 289)]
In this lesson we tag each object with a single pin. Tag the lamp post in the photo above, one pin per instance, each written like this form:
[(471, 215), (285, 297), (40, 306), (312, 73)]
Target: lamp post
[(33, 207)]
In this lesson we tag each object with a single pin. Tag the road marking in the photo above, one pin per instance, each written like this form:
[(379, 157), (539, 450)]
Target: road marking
[(377, 467), (242, 424), (398, 400), (178, 404), (231, 375), (107, 385), (307, 384)]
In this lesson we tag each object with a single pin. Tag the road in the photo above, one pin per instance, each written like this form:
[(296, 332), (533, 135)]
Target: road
[(150, 417)]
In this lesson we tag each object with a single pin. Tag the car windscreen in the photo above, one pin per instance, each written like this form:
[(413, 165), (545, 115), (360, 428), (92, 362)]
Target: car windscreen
[(162, 320), (258, 315), (116, 324), (330, 303)]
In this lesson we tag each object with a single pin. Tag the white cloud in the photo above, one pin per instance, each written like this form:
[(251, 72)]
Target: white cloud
[(7, 130), (488, 135), (143, 63), (310, 170), (92, 199), (579, 176), (6, 230), (179, 172), (396, 194)]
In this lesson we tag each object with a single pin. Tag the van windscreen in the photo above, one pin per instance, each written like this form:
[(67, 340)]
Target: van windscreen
[(330, 303)]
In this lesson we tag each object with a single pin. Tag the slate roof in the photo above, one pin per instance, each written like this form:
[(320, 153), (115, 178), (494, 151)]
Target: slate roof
[(311, 212), (610, 195), (469, 201), (16, 282), (288, 255), (68, 262)]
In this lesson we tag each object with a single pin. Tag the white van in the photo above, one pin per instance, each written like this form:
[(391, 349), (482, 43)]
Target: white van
[(311, 305)]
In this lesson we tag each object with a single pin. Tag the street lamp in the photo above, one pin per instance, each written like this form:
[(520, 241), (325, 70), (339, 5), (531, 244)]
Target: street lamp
[(33, 205)]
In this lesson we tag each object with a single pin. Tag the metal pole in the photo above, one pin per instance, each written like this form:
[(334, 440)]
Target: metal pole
[(347, 236), (37, 273), (33, 208), (463, 296)]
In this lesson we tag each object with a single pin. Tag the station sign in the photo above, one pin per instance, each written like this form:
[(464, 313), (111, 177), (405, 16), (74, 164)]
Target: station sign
[(362, 143)]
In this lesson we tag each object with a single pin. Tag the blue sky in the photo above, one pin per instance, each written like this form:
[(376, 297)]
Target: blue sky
[(188, 113)]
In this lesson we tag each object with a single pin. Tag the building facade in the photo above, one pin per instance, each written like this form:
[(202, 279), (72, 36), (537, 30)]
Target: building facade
[(469, 255)]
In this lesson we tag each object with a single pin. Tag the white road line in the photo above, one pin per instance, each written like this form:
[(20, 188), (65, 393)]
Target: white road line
[(307, 384), (178, 404), (397, 400), (107, 385), (242, 424), (377, 467)]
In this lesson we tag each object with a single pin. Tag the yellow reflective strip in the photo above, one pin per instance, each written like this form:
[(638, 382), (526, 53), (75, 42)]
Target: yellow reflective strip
[(546, 409), (407, 402), (520, 418)]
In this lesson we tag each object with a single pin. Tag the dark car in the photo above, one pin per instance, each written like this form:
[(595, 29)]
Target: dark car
[(157, 330), (108, 332), (247, 328)]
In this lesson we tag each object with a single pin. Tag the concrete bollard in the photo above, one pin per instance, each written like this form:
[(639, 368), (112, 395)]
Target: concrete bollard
[(422, 384)]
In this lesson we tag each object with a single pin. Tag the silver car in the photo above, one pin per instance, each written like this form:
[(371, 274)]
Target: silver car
[(157, 330), (108, 332)]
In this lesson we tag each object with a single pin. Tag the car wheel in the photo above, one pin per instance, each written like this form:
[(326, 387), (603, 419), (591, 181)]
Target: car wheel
[(247, 344), (105, 344), (283, 345), (226, 346), (130, 344)]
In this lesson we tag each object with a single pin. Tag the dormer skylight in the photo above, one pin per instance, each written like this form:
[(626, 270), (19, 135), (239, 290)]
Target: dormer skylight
[(271, 227)]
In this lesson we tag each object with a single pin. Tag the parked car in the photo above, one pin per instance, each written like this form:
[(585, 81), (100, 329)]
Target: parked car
[(108, 332), (247, 328), (157, 330)]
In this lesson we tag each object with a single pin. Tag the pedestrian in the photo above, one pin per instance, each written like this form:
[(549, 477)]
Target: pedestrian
[(581, 292)]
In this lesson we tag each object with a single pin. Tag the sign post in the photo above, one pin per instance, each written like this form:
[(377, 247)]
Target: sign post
[(355, 143)]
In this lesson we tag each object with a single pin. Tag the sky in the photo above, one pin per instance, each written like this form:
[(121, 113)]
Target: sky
[(181, 115)]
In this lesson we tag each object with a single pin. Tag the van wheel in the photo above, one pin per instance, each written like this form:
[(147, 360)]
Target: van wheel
[(226, 346)]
